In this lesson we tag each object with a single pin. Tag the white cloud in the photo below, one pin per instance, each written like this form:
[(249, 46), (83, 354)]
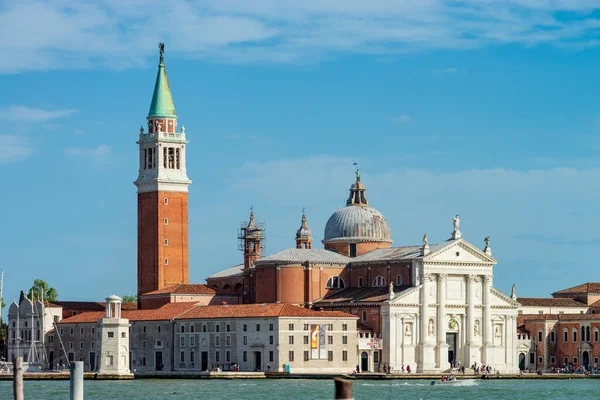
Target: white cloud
[(401, 118), (451, 70), (75, 34), (28, 114), (14, 148), (98, 154)]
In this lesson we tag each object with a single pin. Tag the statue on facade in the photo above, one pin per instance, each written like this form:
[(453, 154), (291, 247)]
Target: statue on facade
[(425, 240), (487, 241), (513, 292), (141, 130), (476, 328), (456, 221), (498, 334), (430, 328), (407, 330), (161, 48), (391, 291)]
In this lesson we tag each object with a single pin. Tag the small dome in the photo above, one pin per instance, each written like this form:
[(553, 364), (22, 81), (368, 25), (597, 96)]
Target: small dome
[(357, 223), (113, 297), (303, 232)]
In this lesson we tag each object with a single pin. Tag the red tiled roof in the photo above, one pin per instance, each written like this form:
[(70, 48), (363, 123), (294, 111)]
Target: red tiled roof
[(91, 305), (590, 287), (549, 302), (166, 312), (196, 288), (259, 311), (359, 295), (556, 317)]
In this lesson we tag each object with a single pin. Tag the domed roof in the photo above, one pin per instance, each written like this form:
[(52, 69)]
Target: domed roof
[(357, 223), (303, 232)]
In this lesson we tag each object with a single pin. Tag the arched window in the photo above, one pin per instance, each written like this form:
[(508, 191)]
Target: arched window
[(595, 335), (335, 282), (378, 281)]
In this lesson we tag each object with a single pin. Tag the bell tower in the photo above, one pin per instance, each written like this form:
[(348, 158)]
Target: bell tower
[(162, 186)]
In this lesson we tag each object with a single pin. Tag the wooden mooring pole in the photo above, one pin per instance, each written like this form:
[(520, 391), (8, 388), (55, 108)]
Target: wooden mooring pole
[(76, 380), (18, 378), (343, 389)]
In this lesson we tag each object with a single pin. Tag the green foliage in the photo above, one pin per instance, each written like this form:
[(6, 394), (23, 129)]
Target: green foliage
[(39, 286), (130, 298)]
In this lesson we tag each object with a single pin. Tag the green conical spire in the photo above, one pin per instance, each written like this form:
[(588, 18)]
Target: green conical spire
[(162, 101)]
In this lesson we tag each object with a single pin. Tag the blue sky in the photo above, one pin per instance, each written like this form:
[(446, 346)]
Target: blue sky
[(485, 109)]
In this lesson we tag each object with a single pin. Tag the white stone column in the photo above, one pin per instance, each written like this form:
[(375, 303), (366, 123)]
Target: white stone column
[(470, 322), (487, 320), (442, 346), (427, 356)]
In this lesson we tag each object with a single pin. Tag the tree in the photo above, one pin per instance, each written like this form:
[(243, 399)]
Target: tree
[(39, 286), (130, 298)]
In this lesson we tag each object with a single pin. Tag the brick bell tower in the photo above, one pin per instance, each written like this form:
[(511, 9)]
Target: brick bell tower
[(162, 186)]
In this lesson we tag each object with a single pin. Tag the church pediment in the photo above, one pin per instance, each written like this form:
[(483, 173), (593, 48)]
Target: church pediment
[(408, 296), (459, 251), (499, 299)]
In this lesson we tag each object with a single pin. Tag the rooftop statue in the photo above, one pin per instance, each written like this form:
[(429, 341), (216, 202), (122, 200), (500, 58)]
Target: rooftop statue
[(456, 221), (425, 240)]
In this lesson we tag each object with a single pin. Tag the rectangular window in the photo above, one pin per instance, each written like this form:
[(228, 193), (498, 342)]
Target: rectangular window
[(144, 361), (191, 356), (552, 338), (330, 339), (364, 316), (566, 360), (70, 345), (539, 336), (181, 341), (71, 331), (305, 339), (596, 360), (344, 339), (110, 334), (218, 328), (81, 331), (398, 280), (203, 328), (192, 341), (330, 327), (271, 356), (306, 327), (270, 339), (192, 328), (376, 357), (344, 327), (575, 360), (51, 338), (182, 328), (595, 336), (123, 335), (81, 345), (166, 221), (143, 344), (227, 356), (574, 336), (158, 328), (291, 339), (566, 336), (245, 327), (144, 329), (245, 340), (217, 340), (93, 331), (258, 327), (228, 341), (540, 360), (552, 360), (291, 356), (306, 355), (159, 343), (245, 358), (531, 358), (228, 328), (352, 249), (360, 281), (182, 357), (330, 355), (291, 327), (344, 355), (166, 261), (271, 327), (217, 356)]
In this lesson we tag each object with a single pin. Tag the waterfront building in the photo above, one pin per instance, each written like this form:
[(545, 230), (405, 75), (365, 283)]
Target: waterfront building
[(194, 337), (560, 331), (113, 337)]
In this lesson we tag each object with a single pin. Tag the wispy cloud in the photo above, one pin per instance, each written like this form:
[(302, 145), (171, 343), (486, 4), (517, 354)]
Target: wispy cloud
[(98, 154), (14, 148), (401, 119), (28, 114), (75, 34), (451, 70)]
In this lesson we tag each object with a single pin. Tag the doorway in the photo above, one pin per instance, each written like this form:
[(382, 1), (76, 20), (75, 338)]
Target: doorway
[(204, 358), (586, 360), (451, 342), (158, 361), (51, 359), (92, 362), (364, 361), (522, 361), (257, 361)]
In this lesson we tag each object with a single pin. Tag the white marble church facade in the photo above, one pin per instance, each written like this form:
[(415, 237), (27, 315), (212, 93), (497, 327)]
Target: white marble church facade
[(452, 313)]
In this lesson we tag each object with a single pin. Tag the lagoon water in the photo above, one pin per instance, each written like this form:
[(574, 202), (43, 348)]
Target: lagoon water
[(310, 389)]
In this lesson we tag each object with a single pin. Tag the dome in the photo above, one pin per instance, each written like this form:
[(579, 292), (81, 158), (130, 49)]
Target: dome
[(357, 223), (303, 232)]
